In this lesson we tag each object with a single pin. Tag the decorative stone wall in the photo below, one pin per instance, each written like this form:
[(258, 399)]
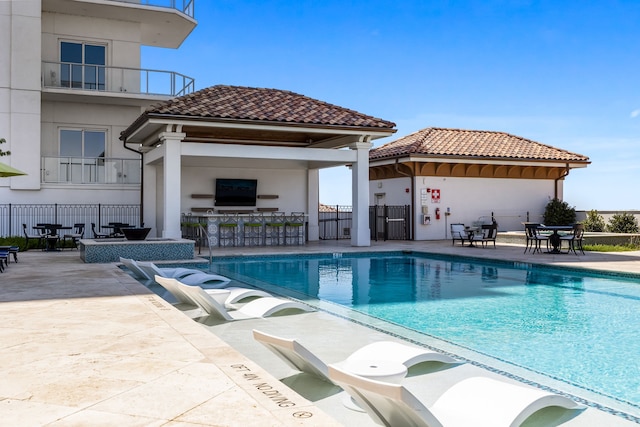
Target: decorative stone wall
[(110, 250)]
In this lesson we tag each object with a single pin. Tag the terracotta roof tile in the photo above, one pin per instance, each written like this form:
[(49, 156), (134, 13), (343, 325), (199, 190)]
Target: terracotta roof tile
[(471, 143), (273, 105)]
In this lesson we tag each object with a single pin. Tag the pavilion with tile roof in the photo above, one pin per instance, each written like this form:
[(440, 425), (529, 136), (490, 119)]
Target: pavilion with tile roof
[(278, 137), (475, 174)]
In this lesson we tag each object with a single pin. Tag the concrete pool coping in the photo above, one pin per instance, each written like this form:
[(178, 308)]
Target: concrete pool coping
[(85, 344)]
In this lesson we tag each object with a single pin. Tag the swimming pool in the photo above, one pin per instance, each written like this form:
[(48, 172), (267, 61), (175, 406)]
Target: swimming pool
[(567, 324)]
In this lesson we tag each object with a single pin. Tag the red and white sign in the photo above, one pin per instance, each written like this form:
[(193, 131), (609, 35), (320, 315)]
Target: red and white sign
[(435, 195)]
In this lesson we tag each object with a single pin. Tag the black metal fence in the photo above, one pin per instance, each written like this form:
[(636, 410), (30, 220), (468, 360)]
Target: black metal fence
[(335, 222), (12, 216), (385, 222)]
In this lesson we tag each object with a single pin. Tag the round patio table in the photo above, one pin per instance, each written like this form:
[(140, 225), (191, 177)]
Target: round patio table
[(555, 237)]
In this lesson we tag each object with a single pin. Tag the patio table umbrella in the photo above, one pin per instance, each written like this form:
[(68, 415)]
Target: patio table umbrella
[(6, 171)]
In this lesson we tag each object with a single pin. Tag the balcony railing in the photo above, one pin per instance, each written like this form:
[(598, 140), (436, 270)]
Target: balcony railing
[(90, 170), (184, 6), (103, 78)]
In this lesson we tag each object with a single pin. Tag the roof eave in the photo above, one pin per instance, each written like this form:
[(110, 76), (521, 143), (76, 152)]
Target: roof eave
[(402, 158), (155, 119)]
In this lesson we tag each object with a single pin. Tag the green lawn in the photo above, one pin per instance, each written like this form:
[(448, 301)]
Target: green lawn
[(612, 248)]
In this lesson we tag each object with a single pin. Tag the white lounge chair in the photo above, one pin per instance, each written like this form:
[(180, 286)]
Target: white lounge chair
[(135, 270), (236, 294), (190, 276), (261, 307), (475, 401), (300, 358)]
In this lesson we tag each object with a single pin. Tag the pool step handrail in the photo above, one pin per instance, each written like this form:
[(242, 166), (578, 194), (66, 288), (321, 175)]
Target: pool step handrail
[(203, 233)]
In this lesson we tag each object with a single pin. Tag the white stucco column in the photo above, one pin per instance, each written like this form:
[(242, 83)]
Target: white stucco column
[(171, 143), (20, 86), (149, 198), (313, 204), (360, 235)]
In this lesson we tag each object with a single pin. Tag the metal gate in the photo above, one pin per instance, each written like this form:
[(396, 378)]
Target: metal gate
[(390, 222), (385, 222), (335, 222)]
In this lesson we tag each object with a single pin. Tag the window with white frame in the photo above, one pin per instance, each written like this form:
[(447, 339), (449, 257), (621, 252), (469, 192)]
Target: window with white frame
[(82, 65), (82, 155)]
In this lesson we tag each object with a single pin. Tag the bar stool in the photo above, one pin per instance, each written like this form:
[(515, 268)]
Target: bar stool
[(227, 229), (294, 229), (274, 228), (252, 233)]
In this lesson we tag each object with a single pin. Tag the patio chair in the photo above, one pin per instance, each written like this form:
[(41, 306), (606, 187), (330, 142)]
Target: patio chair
[(574, 239), (235, 295), (38, 237), (534, 238), (96, 234), (458, 233), (489, 234), (12, 251), (78, 233), (4, 259), (301, 359), (117, 228), (190, 276), (261, 307), (475, 401)]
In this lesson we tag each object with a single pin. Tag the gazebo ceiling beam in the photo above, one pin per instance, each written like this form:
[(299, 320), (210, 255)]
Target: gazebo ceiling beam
[(465, 170)]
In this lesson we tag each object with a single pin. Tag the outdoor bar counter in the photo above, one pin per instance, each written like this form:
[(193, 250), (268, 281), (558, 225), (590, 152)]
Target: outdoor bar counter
[(256, 229)]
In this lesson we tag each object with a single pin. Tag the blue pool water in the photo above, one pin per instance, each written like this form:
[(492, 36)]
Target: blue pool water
[(570, 325)]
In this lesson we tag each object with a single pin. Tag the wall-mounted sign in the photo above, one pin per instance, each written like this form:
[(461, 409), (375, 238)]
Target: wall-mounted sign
[(435, 195), (424, 197)]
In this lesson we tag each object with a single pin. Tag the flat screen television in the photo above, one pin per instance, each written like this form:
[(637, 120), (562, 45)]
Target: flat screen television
[(236, 192)]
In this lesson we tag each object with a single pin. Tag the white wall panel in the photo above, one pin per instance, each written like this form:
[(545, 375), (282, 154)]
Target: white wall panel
[(468, 199), (289, 185)]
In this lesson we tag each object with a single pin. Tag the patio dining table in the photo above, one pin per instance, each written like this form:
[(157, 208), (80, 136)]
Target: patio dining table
[(117, 227), (554, 238), (52, 237), (471, 231)]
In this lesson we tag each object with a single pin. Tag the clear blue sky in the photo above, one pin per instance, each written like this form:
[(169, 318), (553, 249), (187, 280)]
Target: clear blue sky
[(561, 72)]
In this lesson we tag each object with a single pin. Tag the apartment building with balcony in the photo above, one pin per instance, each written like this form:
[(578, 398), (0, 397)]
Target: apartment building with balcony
[(70, 82)]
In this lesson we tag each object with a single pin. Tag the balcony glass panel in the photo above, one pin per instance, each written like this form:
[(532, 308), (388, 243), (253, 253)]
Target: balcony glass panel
[(115, 79), (184, 6), (90, 170)]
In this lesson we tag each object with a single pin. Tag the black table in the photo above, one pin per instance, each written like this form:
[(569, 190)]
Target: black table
[(471, 231), (555, 237), (116, 227), (52, 237)]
